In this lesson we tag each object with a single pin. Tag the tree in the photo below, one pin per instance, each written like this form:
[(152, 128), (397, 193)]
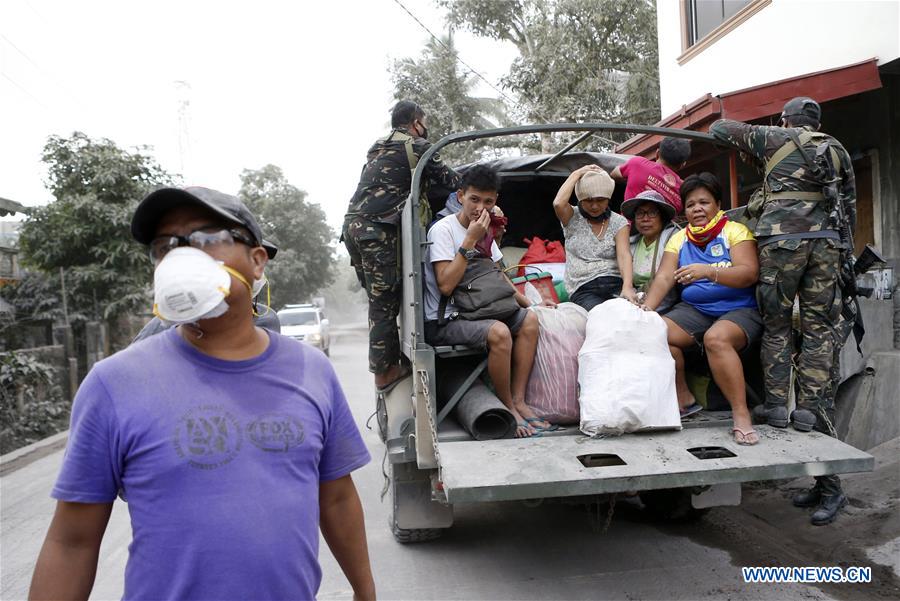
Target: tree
[(443, 87), (305, 259), (579, 60), (85, 231)]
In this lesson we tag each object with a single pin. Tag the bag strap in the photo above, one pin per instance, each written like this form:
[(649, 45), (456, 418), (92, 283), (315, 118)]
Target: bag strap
[(442, 310), (795, 143), (407, 145), (655, 256)]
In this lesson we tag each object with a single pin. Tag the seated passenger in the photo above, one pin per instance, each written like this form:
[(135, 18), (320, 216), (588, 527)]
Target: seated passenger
[(715, 262), (598, 260), (651, 216), (659, 175), (511, 341)]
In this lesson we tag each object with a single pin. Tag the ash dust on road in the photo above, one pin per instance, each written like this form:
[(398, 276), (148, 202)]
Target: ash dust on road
[(767, 530)]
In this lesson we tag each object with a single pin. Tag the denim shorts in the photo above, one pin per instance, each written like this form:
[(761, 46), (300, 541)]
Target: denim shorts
[(599, 290), (473, 334)]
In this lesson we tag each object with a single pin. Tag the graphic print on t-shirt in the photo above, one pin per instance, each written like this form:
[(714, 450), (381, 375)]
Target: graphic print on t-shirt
[(208, 437), (276, 432)]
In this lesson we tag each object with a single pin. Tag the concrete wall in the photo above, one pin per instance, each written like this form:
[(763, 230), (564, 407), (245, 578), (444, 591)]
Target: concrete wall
[(868, 405), (769, 46)]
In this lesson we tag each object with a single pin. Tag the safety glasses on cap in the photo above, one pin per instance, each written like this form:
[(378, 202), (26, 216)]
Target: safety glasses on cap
[(200, 239)]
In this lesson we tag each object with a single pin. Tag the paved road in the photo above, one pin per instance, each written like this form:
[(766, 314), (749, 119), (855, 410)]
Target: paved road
[(499, 550)]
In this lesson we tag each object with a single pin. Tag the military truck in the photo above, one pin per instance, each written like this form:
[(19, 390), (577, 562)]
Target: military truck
[(433, 464)]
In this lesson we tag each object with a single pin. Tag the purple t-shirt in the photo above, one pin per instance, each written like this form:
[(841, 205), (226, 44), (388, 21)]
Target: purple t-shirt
[(219, 461)]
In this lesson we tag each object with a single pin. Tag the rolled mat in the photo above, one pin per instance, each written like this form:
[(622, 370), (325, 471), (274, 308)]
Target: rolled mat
[(482, 414), (479, 411)]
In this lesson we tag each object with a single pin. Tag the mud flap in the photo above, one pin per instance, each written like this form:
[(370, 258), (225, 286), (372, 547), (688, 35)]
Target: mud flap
[(412, 505)]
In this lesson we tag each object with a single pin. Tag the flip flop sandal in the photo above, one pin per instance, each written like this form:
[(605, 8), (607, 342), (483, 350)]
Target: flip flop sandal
[(532, 420), (745, 434), (524, 424), (689, 411)]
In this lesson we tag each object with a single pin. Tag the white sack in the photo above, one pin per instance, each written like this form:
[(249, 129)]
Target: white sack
[(626, 373), (552, 390)]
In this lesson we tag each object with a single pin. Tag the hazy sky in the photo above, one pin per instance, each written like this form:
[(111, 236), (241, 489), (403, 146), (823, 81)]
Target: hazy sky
[(303, 84)]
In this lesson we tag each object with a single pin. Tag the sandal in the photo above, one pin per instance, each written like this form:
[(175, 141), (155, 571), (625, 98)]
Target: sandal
[(532, 432), (690, 410), (742, 437), (532, 420)]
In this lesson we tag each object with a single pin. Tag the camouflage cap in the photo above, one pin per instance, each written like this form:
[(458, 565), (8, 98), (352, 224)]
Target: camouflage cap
[(802, 106)]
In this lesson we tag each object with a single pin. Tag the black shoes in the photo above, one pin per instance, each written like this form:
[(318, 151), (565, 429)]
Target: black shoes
[(776, 416), (827, 505), (828, 509), (808, 498), (803, 420)]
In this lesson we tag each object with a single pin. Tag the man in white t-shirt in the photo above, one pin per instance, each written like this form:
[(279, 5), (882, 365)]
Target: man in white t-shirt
[(510, 342)]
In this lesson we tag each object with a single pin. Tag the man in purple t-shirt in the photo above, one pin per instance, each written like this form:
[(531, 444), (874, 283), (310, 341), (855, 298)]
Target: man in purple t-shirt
[(231, 445), (659, 175)]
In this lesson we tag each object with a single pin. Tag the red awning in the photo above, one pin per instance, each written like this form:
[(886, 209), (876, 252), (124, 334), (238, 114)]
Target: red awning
[(762, 101)]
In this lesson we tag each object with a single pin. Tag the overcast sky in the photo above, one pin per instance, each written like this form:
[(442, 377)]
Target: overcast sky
[(300, 84)]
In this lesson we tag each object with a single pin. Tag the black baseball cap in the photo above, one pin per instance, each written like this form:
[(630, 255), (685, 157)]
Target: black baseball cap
[(159, 202)]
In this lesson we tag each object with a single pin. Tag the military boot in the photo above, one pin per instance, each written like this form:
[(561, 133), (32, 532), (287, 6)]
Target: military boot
[(828, 509), (803, 420), (774, 415), (808, 498)]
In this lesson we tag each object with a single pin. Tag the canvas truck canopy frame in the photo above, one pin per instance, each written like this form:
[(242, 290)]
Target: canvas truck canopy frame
[(434, 463)]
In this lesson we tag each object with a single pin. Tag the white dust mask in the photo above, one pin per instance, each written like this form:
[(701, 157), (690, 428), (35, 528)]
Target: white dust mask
[(258, 285), (189, 285)]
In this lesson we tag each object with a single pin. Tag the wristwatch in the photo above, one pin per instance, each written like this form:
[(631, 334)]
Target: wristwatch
[(468, 253)]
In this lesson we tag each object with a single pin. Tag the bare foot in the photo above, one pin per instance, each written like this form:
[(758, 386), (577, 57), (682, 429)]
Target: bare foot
[(523, 430), (686, 400), (533, 419), (394, 373), (743, 431)]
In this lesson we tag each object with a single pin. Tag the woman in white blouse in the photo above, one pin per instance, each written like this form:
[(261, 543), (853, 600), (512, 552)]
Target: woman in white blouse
[(598, 256)]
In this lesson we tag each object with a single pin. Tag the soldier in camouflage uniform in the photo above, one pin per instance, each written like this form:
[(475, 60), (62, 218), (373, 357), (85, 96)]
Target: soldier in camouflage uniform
[(799, 256), (371, 230)]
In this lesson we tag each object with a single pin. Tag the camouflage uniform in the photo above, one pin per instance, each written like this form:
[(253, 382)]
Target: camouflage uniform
[(371, 234), (800, 254)]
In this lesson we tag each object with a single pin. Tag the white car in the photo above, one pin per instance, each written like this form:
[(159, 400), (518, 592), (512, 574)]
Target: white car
[(306, 323)]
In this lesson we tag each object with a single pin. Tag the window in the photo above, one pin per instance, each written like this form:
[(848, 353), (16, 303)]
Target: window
[(705, 15), (705, 21), (8, 265), (298, 318)]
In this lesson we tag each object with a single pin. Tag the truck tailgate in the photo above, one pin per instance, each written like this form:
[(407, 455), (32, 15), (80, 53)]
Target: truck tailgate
[(572, 464)]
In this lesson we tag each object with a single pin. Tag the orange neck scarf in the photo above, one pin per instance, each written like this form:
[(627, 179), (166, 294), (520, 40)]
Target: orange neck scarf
[(703, 235)]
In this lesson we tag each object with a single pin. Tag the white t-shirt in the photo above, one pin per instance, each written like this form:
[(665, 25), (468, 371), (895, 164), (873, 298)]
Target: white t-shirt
[(446, 236)]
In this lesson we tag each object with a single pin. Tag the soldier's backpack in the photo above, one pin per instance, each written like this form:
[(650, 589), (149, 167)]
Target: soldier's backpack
[(763, 194)]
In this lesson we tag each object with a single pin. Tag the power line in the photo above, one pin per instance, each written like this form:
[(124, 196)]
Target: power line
[(456, 56), (43, 72), (24, 91), (482, 77)]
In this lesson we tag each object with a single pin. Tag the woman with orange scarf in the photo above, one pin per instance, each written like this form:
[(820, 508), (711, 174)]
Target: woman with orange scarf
[(714, 261)]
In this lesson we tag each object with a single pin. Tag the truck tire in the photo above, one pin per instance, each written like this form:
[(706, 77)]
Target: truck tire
[(416, 535), (401, 476), (671, 505)]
